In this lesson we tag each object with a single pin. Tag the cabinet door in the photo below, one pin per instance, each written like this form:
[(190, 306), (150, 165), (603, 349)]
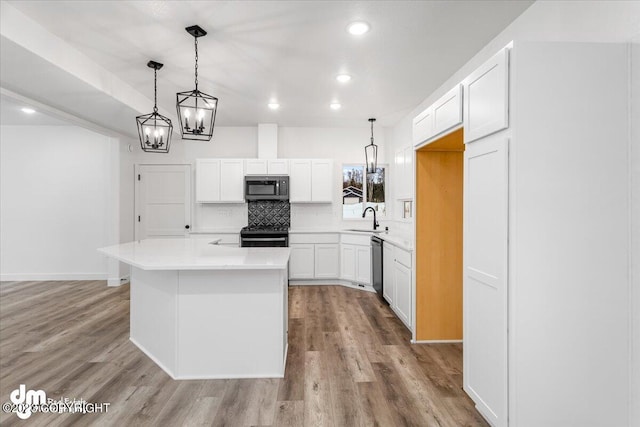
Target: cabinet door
[(327, 261), (207, 180), (321, 181), (278, 167), (300, 181), (485, 275), (363, 264), (256, 167), (403, 293), (447, 111), (232, 180), (486, 98), (301, 261), (388, 285), (348, 262), (423, 126)]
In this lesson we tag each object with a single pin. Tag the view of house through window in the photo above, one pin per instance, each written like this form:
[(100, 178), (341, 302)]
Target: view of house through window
[(360, 189)]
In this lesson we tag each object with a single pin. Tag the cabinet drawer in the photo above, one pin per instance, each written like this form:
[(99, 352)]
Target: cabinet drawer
[(314, 238), (403, 257)]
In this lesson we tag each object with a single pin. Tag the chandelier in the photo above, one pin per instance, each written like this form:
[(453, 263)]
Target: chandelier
[(196, 110), (371, 153), (154, 129)]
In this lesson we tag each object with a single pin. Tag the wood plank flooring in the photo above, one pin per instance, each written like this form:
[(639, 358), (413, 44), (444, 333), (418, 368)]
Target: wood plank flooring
[(350, 363)]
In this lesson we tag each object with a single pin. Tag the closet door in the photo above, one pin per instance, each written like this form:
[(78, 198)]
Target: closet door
[(485, 275)]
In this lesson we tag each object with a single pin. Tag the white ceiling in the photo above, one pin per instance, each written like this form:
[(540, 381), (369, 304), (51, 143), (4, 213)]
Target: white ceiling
[(255, 51)]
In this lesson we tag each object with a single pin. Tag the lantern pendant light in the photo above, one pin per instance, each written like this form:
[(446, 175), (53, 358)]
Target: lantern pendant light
[(371, 153), (196, 110), (154, 129)]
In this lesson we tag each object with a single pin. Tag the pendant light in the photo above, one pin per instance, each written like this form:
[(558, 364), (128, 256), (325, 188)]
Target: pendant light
[(371, 153), (196, 110), (154, 129)]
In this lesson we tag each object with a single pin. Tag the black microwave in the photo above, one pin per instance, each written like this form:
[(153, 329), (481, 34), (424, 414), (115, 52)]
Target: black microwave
[(266, 188)]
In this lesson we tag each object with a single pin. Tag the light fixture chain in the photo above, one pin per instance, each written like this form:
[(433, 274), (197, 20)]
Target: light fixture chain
[(196, 63), (155, 90), (372, 131)]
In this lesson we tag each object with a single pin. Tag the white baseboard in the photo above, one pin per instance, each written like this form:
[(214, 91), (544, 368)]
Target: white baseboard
[(46, 277), (435, 341), (118, 281), (329, 282)]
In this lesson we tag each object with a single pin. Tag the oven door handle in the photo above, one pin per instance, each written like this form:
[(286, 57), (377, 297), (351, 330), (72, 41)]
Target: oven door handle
[(264, 239)]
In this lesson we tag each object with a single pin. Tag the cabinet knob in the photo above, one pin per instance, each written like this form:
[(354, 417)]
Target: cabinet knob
[(187, 227)]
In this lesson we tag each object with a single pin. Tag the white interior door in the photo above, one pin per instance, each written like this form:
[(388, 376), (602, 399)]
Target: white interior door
[(485, 276), (163, 200)]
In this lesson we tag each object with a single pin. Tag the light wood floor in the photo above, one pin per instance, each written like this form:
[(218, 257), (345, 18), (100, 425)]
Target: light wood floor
[(350, 363)]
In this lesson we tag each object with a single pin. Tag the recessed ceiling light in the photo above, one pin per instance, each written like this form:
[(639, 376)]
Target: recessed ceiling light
[(343, 78), (358, 28), (274, 105), (335, 106), (28, 110)]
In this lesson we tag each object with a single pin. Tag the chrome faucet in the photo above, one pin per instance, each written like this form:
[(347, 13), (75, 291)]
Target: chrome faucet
[(375, 222)]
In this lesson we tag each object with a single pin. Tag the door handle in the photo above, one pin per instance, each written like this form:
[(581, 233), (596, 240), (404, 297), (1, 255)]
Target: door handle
[(187, 227)]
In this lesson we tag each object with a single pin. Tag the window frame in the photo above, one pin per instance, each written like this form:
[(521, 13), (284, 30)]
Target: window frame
[(365, 202)]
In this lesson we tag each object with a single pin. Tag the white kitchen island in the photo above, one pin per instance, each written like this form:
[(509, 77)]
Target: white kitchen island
[(207, 311)]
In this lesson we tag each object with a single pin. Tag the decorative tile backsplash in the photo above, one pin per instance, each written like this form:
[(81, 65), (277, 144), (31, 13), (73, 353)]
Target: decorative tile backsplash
[(269, 213)]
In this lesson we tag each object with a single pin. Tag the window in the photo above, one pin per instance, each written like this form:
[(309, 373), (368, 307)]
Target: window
[(360, 189)]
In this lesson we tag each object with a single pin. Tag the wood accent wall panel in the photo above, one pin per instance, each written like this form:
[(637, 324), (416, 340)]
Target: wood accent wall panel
[(439, 186)]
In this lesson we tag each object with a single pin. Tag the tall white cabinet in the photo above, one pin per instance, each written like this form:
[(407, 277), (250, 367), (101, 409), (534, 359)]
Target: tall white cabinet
[(485, 238), (546, 226)]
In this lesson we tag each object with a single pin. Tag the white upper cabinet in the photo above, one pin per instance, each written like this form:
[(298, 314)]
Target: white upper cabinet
[(321, 181), (232, 180), (486, 98), (447, 111), (207, 180), (423, 126), (404, 173), (278, 167), (300, 181), (267, 167), (255, 166), (311, 181), (219, 180)]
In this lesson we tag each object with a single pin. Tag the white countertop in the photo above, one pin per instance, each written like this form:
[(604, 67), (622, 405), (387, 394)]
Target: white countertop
[(399, 240), (196, 254)]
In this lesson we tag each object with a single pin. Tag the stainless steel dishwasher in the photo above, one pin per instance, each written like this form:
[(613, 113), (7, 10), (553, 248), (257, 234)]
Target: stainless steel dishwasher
[(376, 264)]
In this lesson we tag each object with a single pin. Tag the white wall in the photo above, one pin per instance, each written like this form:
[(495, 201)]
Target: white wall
[(56, 203)]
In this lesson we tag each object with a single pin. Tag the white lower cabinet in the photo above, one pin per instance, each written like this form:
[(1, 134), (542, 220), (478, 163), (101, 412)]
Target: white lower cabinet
[(388, 284), (314, 256), (396, 286), (402, 276), (301, 261), (356, 263), (363, 264), (348, 262), (327, 261)]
